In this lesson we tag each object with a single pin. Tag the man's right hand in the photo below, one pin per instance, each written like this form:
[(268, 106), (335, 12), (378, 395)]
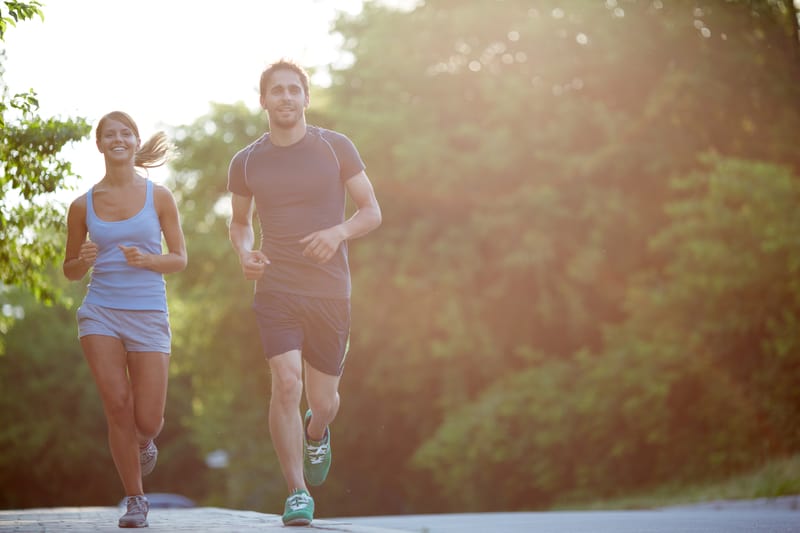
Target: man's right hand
[(254, 263)]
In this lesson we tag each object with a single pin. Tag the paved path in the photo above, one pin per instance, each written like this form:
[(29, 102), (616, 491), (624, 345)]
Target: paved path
[(200, 519), (780, 515), (655, 521)]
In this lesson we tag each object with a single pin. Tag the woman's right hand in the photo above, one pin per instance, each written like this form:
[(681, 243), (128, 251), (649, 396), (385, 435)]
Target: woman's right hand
[(88, 253)]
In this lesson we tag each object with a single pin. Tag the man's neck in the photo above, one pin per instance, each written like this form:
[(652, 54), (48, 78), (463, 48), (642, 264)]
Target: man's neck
[(288, 136)]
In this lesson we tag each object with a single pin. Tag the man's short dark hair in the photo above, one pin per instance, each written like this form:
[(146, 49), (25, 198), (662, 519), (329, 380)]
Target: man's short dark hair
[(283, 64)]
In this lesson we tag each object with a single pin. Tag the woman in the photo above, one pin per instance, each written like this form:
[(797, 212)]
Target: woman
[(123, 321)]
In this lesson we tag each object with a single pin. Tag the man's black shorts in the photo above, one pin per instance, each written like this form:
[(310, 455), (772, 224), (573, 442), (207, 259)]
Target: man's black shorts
[(319, 327)]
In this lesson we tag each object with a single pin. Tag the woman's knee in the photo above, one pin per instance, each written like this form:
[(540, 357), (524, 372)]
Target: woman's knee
[(119, 409), (149, 426)]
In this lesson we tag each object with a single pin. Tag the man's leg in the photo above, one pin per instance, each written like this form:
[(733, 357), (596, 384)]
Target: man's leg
[(285, 423), (323, 402), (322, 395)]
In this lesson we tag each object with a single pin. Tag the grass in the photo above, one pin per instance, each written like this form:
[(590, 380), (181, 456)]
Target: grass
[(774, 479)]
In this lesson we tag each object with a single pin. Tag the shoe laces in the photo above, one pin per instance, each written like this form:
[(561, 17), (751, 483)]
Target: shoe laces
[(316, 454), (298, 500), (137, 504)]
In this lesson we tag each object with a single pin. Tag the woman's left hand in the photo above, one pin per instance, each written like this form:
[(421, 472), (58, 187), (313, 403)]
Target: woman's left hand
[(134, 257)]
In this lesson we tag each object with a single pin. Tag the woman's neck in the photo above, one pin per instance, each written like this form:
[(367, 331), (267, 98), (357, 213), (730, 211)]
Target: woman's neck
[(120, 175)]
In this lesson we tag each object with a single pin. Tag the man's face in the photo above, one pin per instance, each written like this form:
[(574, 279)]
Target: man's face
[(284, 99)]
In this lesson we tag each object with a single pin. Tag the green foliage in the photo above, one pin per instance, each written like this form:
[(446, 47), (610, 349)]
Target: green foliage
[(52, 428), (522, 160), (564, 300), (691, 386), (734, 281), (778, 477), (30, 225), (17, 11)]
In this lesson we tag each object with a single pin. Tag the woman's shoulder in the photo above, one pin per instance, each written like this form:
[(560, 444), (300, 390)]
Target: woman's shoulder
[(79, 202), (162, 196)]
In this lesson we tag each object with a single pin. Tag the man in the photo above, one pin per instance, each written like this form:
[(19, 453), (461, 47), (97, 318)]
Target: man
[(298, 176)]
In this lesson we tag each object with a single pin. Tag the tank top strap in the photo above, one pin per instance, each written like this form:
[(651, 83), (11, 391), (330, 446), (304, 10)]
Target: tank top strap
[(90, 206), (148, 199)]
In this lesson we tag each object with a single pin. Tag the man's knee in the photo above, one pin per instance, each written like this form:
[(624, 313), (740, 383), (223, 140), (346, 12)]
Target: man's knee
[(324, 406), (287, 378)]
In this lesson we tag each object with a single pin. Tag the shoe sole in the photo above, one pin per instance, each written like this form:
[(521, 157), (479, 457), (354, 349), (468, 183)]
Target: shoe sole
[(298, 522), (132, 526)]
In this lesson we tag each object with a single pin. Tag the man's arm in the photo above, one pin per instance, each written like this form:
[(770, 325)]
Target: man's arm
[(368, 213), (322, 245), (242, 237)]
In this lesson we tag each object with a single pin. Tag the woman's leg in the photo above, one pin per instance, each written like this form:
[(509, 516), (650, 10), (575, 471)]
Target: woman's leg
[(108, 362), (149, 374)]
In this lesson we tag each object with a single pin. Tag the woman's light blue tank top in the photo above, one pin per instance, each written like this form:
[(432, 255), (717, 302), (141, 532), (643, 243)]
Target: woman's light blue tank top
[(113, 282)]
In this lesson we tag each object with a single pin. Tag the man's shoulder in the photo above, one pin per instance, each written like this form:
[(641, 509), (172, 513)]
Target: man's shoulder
[(328, 135), (244, 152)]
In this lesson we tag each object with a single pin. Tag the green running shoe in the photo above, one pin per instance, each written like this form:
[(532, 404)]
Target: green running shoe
[(299, 508), (316, 455)]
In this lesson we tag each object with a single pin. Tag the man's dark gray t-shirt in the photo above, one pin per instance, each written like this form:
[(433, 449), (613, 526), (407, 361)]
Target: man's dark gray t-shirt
[(298, 189)]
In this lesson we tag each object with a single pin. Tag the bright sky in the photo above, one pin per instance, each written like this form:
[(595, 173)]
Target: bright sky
[(162, 61)]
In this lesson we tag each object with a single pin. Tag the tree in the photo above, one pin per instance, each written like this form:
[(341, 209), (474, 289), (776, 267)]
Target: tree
[(31, 225), (523, 164), (523, 161), (700, 381)]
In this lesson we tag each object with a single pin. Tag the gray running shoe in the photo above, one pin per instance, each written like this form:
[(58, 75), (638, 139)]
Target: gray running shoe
[(148, 457), (138, 506)]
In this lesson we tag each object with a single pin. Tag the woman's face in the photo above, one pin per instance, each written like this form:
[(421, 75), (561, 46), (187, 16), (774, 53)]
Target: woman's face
[(117, 141)]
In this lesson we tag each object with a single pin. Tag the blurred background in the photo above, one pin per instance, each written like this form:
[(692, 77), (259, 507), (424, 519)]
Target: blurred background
[(586, 285)]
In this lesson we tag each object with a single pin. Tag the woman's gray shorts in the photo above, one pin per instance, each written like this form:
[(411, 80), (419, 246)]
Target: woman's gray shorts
[(139, 331)]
